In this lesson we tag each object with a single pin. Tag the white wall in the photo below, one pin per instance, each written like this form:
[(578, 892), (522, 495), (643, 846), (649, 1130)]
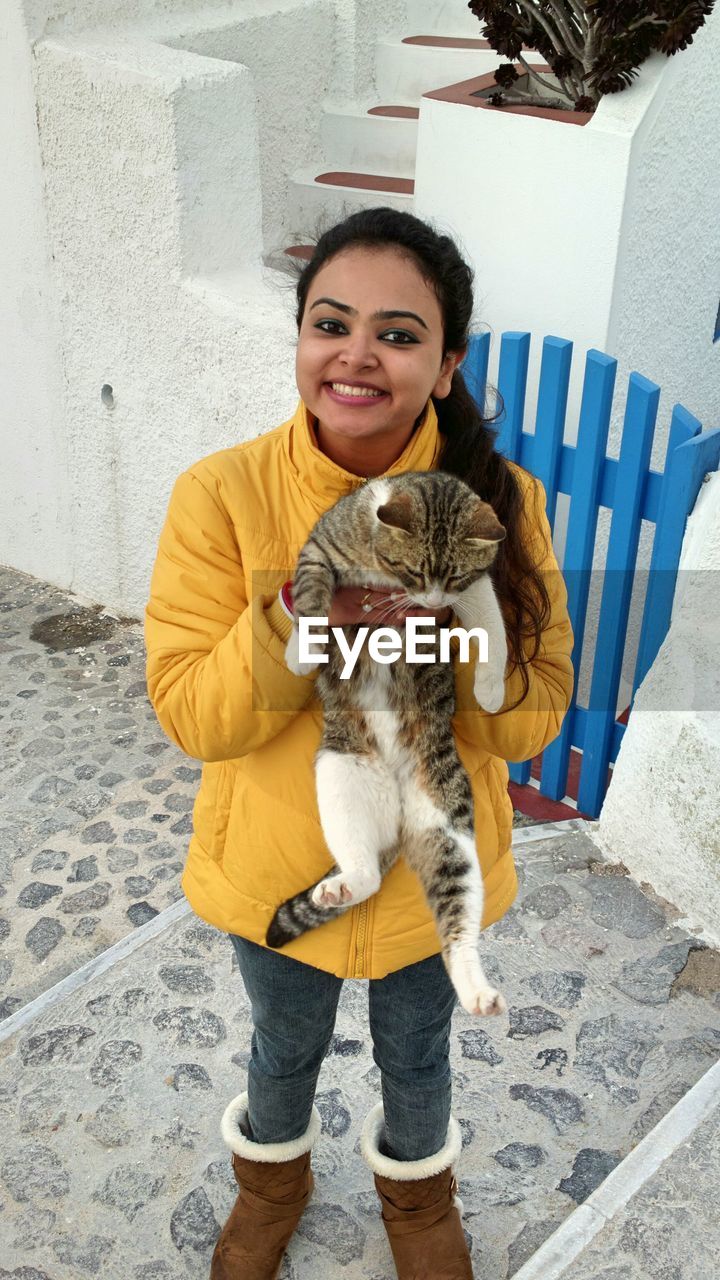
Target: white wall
[(35, 515), (288, 81), (192, 370), (661, 815), (667, 285), (605, 234)]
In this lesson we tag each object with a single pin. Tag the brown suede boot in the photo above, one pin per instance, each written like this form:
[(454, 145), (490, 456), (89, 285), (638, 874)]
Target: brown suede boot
[(419, 1207), (275, 1182)]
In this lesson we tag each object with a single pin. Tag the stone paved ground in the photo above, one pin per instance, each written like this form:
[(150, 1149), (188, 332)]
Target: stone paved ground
[(95, 802), (110, 1100), (655, 1237)]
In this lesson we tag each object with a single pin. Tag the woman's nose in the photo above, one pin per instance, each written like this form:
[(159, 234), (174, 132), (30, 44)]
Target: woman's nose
[(357, 351)]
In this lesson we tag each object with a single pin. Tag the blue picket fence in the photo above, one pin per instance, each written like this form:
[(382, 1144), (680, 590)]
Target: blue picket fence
[(633, 492)]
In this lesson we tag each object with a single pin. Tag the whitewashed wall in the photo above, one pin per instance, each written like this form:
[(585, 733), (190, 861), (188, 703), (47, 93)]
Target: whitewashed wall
[(605, 234), (35, 512), (132, 230), (661, 816)]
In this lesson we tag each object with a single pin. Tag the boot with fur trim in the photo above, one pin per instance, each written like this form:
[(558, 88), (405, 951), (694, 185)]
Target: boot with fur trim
[(275, 1182), (419, 1207)]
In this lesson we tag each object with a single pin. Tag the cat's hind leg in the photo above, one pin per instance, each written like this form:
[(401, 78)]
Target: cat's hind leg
[(359, 804)]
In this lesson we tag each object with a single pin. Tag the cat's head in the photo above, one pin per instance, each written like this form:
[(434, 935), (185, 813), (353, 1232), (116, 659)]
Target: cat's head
[(431, 534)]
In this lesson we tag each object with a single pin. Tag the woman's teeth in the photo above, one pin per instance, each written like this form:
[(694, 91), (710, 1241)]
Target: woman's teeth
[(343, 389)]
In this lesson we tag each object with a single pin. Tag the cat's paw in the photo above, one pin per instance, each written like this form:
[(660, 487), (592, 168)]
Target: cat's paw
[(292, 656), (486, 1001), (489, 690), (333, 892)]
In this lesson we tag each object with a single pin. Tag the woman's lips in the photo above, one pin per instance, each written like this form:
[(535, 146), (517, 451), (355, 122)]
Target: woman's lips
[(363, 401)]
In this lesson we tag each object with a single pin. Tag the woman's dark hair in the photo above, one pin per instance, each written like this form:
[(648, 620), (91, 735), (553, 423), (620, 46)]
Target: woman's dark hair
[(469, 448)]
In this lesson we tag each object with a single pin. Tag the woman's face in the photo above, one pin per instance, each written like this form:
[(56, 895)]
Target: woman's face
[(370, 354)]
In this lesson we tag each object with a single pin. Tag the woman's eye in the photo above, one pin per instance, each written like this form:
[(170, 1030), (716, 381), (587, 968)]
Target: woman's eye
[(400, 333), (322, 323)]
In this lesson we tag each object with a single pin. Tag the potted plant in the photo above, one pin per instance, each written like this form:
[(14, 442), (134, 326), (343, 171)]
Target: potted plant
[(591, 47)]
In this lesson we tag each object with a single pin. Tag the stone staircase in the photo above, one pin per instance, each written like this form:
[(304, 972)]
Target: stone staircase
[(367, 148)]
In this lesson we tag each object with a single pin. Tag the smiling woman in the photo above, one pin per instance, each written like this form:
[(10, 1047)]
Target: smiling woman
[(384, 308)]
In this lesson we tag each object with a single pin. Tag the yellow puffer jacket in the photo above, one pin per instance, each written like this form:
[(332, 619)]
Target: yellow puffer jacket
[(215, 636)]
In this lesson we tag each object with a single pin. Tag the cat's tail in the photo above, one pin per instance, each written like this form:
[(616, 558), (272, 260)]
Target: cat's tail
[(299, 914)]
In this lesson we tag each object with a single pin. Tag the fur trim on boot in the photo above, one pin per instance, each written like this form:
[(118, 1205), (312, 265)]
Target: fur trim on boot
[(420, 1209), (264, 1151), (275, 1182)]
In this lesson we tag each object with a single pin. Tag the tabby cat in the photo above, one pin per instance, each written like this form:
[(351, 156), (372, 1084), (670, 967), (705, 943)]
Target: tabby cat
[(388, 776)]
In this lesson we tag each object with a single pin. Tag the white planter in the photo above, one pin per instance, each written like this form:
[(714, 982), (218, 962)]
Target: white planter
[(604, 233)]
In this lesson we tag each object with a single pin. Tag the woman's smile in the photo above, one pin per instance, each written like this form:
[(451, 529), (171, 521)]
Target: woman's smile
[(359, 396)]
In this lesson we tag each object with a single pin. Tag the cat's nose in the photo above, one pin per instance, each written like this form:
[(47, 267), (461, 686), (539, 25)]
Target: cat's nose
[(435, 598)]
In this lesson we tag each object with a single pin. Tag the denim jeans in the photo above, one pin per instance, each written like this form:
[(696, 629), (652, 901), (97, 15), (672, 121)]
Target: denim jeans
[(294, 1007)]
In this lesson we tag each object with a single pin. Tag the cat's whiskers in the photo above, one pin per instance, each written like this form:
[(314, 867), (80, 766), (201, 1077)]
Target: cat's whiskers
[(392, 603)]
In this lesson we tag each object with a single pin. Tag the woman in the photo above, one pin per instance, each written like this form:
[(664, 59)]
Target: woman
[(384, 308)]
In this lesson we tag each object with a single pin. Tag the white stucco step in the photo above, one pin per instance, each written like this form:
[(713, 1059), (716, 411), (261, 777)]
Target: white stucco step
[(313, 206), (446, 17), (406, 71), (354, 139)]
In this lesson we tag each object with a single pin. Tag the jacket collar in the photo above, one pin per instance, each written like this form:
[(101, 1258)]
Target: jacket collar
[(324, 481)]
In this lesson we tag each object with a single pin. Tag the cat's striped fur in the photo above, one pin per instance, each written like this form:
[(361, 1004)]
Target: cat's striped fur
[(388, 776)]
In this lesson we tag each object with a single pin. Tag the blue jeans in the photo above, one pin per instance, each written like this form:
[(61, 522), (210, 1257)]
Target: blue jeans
[(294, 1007)]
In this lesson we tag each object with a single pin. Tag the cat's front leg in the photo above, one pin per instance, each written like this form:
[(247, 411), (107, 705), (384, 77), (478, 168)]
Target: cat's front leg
[(478, 607), (313, 589), (359, 809)]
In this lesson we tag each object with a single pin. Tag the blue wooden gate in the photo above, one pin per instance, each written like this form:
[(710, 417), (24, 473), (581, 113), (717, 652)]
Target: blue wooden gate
[(633, 492)]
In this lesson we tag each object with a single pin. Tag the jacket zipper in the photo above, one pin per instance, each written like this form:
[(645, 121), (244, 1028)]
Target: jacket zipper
[(360, 941)]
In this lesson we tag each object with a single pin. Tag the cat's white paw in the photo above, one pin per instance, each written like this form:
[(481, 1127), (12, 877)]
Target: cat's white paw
[(292, 656), (489, 690), (332, 892), (346, 887), (485, 1000), (474, 991)]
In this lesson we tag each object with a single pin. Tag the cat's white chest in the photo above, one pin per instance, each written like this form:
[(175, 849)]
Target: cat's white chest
[(382, 719)]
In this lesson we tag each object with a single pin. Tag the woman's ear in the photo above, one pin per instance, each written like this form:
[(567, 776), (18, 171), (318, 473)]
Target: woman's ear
[(447, 369)]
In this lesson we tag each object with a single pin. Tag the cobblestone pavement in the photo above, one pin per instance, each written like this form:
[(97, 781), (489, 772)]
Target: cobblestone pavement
[(654, 1236), (110, 1100), (95, 802)]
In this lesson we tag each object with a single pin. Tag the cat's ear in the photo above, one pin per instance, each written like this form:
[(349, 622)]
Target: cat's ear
[(397, 513), (484, 527)]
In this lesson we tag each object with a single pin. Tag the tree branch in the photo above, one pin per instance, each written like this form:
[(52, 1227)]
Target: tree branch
[(566, 32), (579, 10), (531, 100), (542, 21), (547, 84)]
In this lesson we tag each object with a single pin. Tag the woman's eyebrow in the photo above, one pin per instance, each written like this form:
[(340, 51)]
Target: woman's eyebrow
[(379, 315)]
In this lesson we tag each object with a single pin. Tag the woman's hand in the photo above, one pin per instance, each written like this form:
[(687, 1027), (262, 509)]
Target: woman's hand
[(389, 606)]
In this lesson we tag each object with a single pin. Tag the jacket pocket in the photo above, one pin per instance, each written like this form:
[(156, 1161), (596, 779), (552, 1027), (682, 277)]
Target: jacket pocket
[(272, 849)]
